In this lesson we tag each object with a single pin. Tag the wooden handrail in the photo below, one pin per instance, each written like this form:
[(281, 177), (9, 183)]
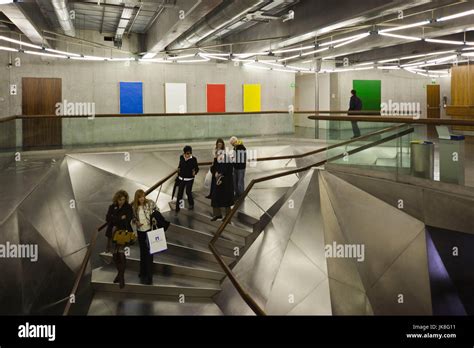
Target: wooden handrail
[(238, 286), (227, 270), (392, 119), (92, 244)]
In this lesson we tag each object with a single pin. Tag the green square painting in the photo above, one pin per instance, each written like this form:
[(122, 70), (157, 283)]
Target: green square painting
[(370, 92)]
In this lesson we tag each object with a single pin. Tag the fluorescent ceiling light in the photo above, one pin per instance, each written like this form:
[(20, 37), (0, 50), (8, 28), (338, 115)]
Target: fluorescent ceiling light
[(367, 63), (2, 48), (182, 57), (448, 42), (18, 42), (62, 52), (155, 60), (360, 37), (457, 15), (412, 38), (314, 52), (413, 25), (89, 58), (287, 71), (388, 60), (297, 68), (388, 67), (425, 54), (149, 55), (331, 43), (4, 2), (209, 56), (45, 54), (249, 65), (468, 54), (272, 64), (193, 61), (119, 59), (294, 49)]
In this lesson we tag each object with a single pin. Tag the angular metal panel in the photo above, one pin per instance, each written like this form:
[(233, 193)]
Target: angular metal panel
[(308, 233), (450, 212), (407, 276), (11, 279), (366, 221), (297, 277), (346, 300), (34, 273), (343, 270), (389, 192), (318, 302), (18, 179)]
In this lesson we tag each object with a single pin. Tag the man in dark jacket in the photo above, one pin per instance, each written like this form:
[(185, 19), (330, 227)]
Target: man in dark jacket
[(187, 170), (355, 105), (240, 164)]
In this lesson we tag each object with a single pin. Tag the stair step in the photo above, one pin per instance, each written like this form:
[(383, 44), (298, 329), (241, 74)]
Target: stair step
[(203, 214), (171, 265), (130, 304), (241, 214), (203, 231), (103, 277), (180, 233)]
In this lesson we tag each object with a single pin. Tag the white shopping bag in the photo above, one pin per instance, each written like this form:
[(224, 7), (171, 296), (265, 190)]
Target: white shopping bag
[(157, 241), (208, 180)]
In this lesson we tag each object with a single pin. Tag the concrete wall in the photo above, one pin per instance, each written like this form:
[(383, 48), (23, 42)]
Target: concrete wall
[(98, 82), (108, 131)]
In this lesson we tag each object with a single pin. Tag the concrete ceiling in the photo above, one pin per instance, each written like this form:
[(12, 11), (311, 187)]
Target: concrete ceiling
[(178, 26)]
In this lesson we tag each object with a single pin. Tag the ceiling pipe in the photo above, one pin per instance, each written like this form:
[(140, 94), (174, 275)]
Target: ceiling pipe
[(226, 15), (62, 14)]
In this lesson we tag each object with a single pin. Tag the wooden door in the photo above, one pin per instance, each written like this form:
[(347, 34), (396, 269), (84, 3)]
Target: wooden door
[(433, 101), (39, 97), (433, 104)]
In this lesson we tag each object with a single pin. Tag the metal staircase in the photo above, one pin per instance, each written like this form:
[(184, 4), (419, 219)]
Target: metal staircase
[(187, 268)]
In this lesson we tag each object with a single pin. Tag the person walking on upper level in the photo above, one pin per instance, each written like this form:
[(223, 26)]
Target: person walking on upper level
[(355, 105), (239, 160), (187, 171)]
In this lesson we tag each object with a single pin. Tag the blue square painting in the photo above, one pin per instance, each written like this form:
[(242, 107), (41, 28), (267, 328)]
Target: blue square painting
[(131, 97)]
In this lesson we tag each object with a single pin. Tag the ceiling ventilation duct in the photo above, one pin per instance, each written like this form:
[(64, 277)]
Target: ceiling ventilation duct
[(62, 13), (225, 16)]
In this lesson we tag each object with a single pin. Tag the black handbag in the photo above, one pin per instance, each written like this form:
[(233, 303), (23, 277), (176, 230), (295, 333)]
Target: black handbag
[(159, 221)]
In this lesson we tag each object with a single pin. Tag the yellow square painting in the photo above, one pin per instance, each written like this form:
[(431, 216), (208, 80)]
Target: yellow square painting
[(252, 101)]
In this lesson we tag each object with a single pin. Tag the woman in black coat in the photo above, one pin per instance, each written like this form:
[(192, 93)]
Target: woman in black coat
[(220, 146), (223, 193), (119, 218)]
